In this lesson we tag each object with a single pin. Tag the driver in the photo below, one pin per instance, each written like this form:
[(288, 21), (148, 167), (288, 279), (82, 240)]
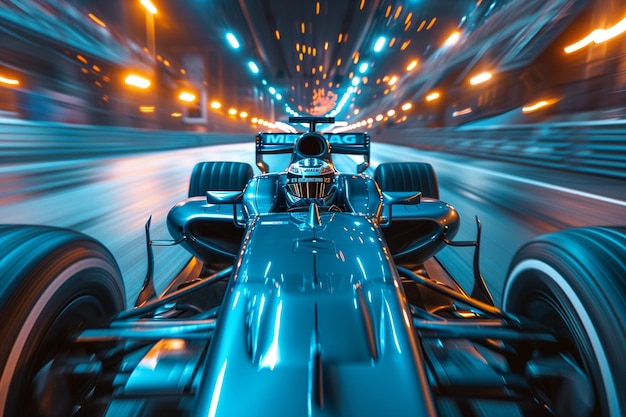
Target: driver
[(311, 180)]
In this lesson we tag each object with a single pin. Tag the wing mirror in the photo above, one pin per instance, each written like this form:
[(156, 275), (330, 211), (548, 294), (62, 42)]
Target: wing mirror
[(229, 197), (403, 198), (224, 197)]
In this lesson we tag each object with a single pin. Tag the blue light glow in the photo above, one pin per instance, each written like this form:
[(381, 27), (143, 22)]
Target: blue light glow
[(344, 99), (291, 111), (380, 43), (272, 90), (215, 397), (253, 67), (271, 357), (232, 40), (364, 67), (356, 81)]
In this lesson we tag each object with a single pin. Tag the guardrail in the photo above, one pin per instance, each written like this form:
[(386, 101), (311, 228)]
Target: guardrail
[(35, 142), (591, 147)]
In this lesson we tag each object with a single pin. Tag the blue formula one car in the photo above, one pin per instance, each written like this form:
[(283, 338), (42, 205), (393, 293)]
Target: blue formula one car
[(312, 292)]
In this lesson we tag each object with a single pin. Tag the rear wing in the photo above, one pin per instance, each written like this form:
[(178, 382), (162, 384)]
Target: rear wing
[(340, 143)]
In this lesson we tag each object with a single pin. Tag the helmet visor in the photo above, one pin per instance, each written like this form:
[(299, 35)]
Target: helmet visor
[(310, 187)]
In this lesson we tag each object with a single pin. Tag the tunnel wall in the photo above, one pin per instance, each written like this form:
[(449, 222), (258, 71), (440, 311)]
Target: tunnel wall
[(594, 148), (33, 142)]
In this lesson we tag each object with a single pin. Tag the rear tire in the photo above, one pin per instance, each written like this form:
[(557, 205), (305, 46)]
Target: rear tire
[(574, 281), (55, 282), (219, 176), (408, 176)]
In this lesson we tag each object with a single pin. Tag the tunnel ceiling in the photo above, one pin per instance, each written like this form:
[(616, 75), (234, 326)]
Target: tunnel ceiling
[(313, 55), (311, 51)]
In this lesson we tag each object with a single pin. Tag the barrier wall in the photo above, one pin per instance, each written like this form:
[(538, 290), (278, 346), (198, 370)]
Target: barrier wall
[(30, 142), (595, 148)]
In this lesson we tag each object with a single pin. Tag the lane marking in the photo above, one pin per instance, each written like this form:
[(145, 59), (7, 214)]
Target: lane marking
[(551, 186), (559, 188)]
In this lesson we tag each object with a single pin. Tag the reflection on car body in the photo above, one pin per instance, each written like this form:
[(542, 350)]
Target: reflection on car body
[(316, 293)]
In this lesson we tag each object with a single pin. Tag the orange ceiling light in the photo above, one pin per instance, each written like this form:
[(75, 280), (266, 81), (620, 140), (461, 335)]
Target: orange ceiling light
[(534, 107), (462, 112), (137, 81), (598, 36), (9, 81), (187, 97), (480, 78), (149, 6), (433, 96), (453, 38), (97, 20), (538, 105), (398, 11)]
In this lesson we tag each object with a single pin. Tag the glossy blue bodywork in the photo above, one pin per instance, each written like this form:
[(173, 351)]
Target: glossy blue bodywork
[(314, 323), (414, 234)]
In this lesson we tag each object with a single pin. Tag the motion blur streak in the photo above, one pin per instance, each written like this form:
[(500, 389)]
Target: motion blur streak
[(111, 198)]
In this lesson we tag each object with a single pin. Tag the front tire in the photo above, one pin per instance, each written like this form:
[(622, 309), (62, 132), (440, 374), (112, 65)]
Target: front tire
[(219, 176), (408, 176), (55, 282), (574, 281)]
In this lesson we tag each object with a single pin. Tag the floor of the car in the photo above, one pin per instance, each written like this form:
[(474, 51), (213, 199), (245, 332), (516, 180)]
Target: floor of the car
[(212, 295), (189, 273), (424, 297), (437, 272)]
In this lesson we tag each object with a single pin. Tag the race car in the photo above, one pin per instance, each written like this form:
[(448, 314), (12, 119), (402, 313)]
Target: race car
[(312, 292)]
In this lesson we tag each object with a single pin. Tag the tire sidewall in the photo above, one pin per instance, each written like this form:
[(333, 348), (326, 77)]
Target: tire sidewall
[(81, 269), (532, 274)]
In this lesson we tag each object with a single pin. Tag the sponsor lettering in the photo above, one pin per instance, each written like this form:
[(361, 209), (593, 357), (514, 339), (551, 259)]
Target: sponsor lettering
[(274, 139), (314, 179), (333, 138), (349, 139)]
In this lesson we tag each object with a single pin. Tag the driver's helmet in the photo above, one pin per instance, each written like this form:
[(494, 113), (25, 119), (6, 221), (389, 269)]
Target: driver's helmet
[(310, 180)]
